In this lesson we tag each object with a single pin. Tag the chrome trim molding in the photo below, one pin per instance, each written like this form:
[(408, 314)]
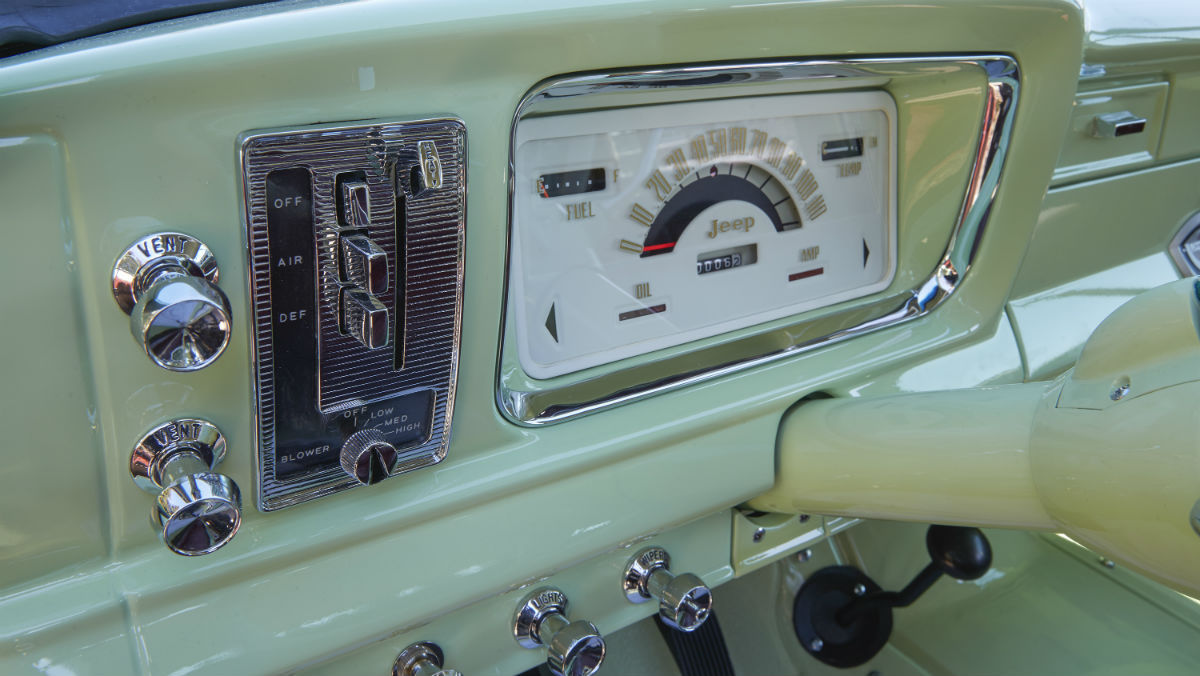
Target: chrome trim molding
[(530, 405), (424, 229), (422, 659), (140, 263), (1185, 263)]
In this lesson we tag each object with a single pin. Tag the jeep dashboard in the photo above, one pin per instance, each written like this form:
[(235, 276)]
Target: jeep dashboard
[(420, 329)]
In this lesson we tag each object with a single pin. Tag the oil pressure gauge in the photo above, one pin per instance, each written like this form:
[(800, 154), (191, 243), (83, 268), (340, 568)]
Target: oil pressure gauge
[(643, 228)]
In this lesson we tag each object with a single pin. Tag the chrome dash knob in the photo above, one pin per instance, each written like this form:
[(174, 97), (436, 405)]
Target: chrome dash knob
[(422, 659), (367, 458), (684, 602), (166, 283), (197, 510), (572, 648), (181, 322)]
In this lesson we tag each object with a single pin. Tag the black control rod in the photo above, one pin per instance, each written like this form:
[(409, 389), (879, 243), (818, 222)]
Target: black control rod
[(960, 552)]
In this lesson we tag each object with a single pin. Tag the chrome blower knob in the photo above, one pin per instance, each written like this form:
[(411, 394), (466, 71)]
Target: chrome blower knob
[(422, 659), (166, 283), (197, 511), (572, 648), (684, 602)]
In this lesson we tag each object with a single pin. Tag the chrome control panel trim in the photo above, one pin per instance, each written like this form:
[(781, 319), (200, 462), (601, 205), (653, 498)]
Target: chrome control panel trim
[(321, 372), (526, 401)]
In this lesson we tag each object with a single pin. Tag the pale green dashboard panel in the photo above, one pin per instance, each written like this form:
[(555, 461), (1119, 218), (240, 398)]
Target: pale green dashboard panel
[(108, 139)]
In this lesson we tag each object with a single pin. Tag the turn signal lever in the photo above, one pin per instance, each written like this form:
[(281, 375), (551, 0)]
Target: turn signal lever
[(844, 619), (1108, 454)]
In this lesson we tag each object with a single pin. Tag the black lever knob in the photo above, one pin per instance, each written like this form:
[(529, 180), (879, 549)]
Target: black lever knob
[(843, 618), (962, 553)]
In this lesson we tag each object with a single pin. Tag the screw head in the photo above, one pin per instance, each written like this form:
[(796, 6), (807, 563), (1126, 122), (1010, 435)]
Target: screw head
[(860, 589), (816, 645), (759, 533), (804, 555), (805, 517)]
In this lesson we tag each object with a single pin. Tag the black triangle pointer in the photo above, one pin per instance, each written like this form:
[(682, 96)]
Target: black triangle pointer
[(552, 324), (866, 253)]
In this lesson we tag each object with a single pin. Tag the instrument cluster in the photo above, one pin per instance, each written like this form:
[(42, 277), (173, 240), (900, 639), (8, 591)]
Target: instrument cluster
[(643, 228)]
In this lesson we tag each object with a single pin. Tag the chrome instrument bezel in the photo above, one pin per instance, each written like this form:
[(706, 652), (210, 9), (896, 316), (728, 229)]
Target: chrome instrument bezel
[(429, 364), (1183, 262), (530, 405)]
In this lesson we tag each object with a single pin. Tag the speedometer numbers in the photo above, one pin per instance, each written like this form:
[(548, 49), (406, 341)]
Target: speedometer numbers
[(736, 179), (640, 229)]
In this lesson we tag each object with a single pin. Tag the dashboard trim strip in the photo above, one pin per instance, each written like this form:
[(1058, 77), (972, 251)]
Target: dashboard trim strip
[(531, 406)]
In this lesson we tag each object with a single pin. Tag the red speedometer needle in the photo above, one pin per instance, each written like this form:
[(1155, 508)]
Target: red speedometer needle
[(656, 247)]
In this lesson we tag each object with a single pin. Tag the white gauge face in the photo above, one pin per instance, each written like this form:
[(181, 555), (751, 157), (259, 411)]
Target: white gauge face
[(644, 228)]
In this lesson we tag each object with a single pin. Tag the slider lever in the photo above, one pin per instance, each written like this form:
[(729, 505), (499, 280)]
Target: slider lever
[(843, 618)]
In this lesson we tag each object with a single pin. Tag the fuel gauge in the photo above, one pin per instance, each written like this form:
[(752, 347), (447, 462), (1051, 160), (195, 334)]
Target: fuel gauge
[(570, 182)]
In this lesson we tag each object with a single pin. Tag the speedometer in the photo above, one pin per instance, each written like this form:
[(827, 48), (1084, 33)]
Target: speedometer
[(639, 229)]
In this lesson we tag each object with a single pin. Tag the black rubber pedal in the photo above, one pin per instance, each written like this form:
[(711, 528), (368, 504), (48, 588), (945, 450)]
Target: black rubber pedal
[(702, 652)]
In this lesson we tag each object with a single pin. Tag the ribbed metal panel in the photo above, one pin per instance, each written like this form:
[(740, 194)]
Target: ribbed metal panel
[(428, 263)]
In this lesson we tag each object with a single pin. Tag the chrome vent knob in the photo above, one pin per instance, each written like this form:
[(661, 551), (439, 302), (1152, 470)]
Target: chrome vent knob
[(684, 601), (179, 317), (182, 323), (572, 648), (197, 510), (422, 659)]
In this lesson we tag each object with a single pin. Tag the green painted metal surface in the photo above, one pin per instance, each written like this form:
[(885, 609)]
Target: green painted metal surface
[(1047, 606), (115, 137)]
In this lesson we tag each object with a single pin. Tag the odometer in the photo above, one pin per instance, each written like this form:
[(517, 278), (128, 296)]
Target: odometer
[(648, 227), (726, 259)]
